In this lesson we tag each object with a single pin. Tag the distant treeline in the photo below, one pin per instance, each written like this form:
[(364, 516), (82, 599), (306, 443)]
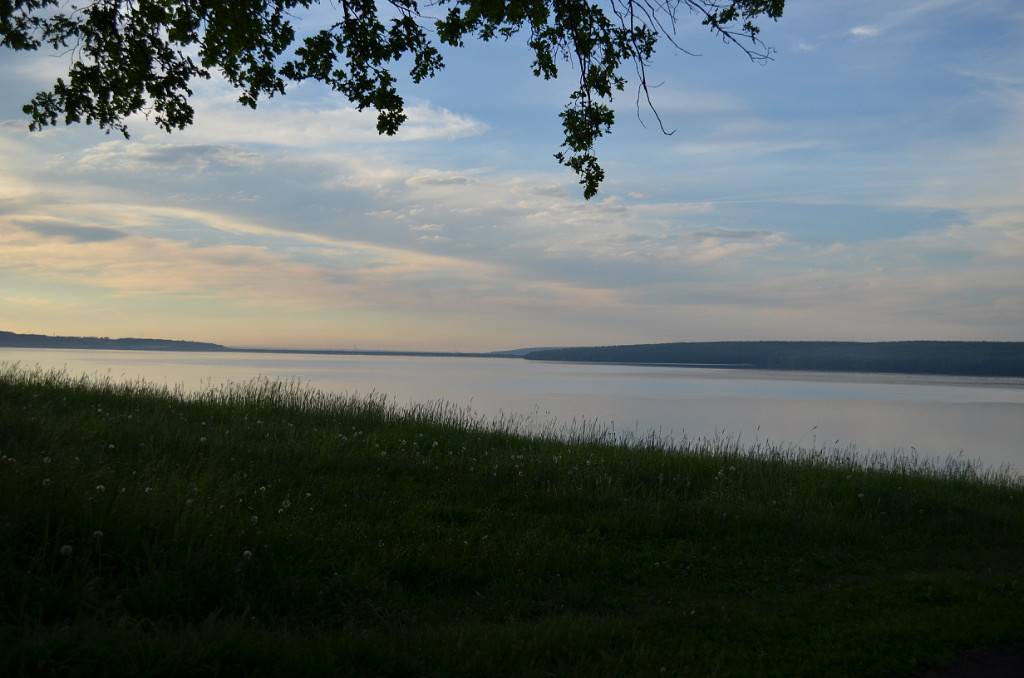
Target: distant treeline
[(11, 339), (14, 340), (962, 358)]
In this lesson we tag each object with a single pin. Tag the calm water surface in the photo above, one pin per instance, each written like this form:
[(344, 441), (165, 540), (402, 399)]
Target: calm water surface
[(982, 418)]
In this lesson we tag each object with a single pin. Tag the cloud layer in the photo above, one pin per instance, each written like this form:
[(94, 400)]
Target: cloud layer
[(865, 185)]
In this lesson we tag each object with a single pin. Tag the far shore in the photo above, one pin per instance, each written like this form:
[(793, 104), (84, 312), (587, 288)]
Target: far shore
[(941, 358)]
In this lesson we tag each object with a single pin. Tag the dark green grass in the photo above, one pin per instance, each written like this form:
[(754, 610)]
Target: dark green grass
[(264, 529)]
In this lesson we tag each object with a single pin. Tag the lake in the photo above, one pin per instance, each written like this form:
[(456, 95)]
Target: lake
[(935, 417)]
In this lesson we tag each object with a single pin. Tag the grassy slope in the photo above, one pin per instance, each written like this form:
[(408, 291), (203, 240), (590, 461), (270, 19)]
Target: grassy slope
[(267, 530)]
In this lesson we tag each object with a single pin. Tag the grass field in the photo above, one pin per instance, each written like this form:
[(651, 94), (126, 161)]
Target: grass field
[(266, 529)]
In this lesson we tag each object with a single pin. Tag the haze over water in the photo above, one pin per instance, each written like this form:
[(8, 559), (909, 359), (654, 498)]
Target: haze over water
[(980, 418)]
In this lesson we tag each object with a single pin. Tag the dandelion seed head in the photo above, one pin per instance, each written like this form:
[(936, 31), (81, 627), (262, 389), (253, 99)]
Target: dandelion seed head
[(65, 550), (97, 534), (247, 555)]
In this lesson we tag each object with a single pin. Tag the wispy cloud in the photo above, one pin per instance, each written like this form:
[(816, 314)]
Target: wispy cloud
[(866, 31), (916, 15), (324, 124), (122, 156), (52, 228)]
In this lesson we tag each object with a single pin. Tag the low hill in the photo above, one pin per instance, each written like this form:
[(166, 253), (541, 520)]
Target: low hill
[(12, 339), (960, 358)]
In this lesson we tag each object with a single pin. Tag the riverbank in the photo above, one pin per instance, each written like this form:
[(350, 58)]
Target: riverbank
[(266, 529)]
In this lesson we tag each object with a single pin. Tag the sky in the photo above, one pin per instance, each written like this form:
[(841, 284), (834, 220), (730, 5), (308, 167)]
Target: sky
[(867, 184)]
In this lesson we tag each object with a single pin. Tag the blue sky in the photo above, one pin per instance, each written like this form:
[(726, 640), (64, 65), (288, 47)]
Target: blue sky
[(867, 184)]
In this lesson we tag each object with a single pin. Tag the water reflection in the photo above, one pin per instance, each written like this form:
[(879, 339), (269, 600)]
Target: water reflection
[(936, 416)]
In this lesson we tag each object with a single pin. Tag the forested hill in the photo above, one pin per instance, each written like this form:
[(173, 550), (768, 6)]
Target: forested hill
[(963, 358), (11, 339)]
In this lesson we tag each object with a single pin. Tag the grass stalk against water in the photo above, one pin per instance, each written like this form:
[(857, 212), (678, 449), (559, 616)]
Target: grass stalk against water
[(267, 529)]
